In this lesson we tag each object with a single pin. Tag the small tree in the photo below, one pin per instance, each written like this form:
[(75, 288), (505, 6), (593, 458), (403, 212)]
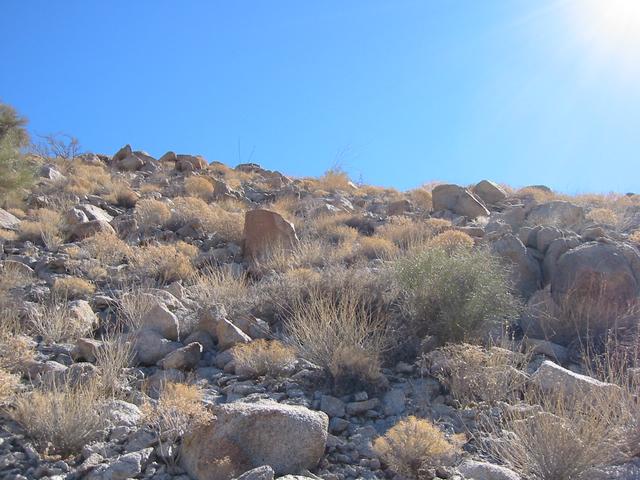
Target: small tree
[(15, 171)]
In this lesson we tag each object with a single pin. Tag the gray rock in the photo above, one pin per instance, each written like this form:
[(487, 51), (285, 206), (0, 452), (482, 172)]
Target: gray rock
[(459, 200), (229, 335), (489, 192), (120, 413), (552, 378), (264, 472), (393, 402), (474, 470), (160, 319), (332, 406), (358, 408), (150, 346), (185, 358)]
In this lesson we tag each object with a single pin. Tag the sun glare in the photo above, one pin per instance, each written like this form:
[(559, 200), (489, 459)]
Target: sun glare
[(610, 29)]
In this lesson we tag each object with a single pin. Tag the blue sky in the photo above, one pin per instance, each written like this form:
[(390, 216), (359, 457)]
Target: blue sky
[(399, 92)]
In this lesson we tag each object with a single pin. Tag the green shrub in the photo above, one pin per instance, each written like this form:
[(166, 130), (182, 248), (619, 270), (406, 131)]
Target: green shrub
[(455, 296), (15, 171)]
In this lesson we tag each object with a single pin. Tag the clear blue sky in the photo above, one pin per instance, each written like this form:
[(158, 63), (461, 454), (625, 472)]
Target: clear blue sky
[(400, 92)]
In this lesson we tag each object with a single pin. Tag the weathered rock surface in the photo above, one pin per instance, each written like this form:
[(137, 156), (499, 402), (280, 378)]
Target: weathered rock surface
[(266, 231), (248, 435), (458, 200)]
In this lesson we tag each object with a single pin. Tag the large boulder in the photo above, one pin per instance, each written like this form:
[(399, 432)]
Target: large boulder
[(557, 213), (554, 379), (190, 163), (266, 231), (459, 200), (607, 271), (8, 221), (526, 272), (159, 318), (243, 436), (489, 192)]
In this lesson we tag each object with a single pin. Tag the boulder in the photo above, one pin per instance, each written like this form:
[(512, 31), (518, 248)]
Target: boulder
[(229, 335), (80, 312), (131, 163), (159, 318), (190, 163), (8, 221), (553, 379), (185, 358), (50, 172), (459, 200), (80, 231), (169, 157), (489, 192), (557, 213), (150, 346), (123, 153), (332, 406), (526, 273), (607, 271), (475, 470), (86, 349), (243, 436), (95, 213), (266, 231)]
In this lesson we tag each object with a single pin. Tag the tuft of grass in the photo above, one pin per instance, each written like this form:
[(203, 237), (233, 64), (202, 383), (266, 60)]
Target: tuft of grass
[(263, 357), (412, 445), (376, 247), (45, 228), (150, 213), (455, 296), (72, 287), (605, 216), (62, 418), (107, 248), (213, 286), (54, 322), (329, 328), (334, 179), (163, 263), (200, 187), (452, 240)]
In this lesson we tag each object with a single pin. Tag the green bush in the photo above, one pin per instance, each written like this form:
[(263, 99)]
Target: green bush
[(15, 172), (455, 296)]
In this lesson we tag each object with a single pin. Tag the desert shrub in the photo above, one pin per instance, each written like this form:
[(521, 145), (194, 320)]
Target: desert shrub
[(84, 179), (452, 240), (376, 247), (15, 170), (334, 179), (123, 196), (412, 445), (62, 418), (107, 248), (605, 216), (151, 213), (421, 198), (16, 351), (537, 194), (72, 287), (263, 357), (179, 409), (327, 325), (405, 232), (200, 187), (9, 383), (228, 226), (164, 263), (213, 286), (45, 228), (53, 321), (553, 437), (476, 374), (454, 296)]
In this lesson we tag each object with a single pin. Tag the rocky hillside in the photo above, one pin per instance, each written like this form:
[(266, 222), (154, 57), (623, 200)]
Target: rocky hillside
[(173, 318)]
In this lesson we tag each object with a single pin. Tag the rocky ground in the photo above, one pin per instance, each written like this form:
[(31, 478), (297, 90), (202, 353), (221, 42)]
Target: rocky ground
[(134, 273)]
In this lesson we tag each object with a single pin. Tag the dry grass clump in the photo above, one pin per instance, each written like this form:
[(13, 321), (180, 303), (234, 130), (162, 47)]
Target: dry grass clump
[(409, 234), (107, 248), (150, 213), (454, 296), (308, 253), (227, 225), (421, 198), (45, 228), (452, 241), (549, 437), (200, 187), (9, 383), (334, 179), (412, 445), (213, 286), (114, 355), (164, 263), (286, 206), (62, 418), (327, 327), (123, 196), (83, 179), (72, 288), (376, 247), (538, 194), (54, 322), (16, 351), (8, 235), (476, 374), (605, 216), (178, 409), (263, 357)]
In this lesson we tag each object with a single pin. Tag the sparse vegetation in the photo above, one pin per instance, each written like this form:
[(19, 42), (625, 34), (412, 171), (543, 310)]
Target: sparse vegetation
[(455, 296), (263, 357), (412, 445)]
